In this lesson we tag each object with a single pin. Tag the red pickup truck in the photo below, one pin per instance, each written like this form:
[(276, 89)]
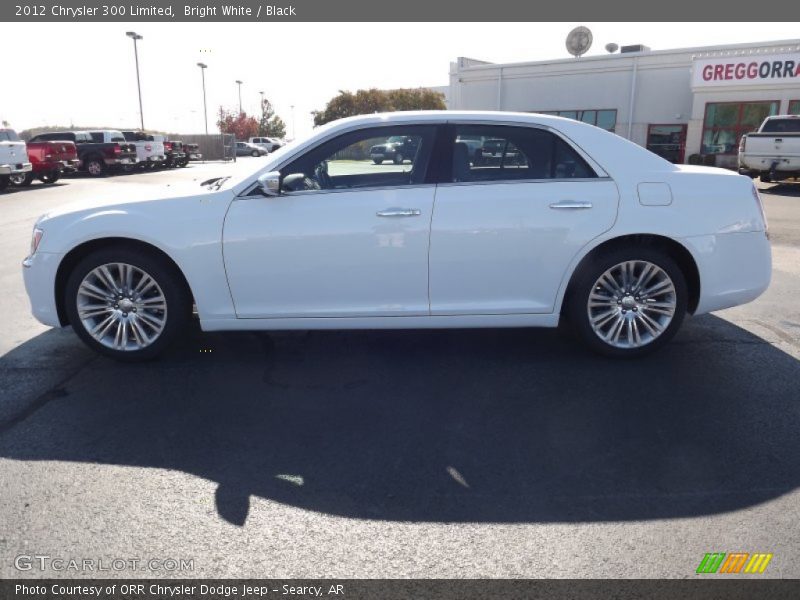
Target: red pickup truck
[(50, 160)]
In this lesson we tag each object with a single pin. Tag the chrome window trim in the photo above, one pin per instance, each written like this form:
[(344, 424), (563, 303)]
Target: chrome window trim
[(246, 196), (520, 181)]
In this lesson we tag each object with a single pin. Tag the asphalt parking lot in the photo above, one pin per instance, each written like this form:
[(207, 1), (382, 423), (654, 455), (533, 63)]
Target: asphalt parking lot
[(483, 453)]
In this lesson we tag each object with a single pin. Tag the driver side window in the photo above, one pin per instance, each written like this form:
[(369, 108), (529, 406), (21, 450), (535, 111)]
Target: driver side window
[(369, 158)]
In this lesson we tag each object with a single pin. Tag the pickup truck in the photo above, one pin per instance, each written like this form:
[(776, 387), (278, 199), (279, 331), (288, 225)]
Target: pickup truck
[(192, 153), (98, 152), (50, 160), (772, 152), (173, 151), (149, 152), (13, 157)]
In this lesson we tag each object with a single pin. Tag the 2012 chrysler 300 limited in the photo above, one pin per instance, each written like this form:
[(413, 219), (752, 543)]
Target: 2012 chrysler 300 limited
[(562, 221)]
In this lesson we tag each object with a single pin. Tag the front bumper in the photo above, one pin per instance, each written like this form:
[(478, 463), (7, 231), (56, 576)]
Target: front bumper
[(16, 168), (39, 273)]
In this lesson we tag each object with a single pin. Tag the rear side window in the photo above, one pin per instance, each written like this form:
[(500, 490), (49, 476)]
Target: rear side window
[(97, 136), (502, 153), (782, 126), (8, 136)]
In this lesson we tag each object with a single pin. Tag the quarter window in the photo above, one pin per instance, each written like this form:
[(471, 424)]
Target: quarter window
[(726, 122), (375, 157), (501, 153)]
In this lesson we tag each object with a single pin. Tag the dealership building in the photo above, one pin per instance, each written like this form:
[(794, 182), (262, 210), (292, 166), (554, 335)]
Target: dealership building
[(688, 104)]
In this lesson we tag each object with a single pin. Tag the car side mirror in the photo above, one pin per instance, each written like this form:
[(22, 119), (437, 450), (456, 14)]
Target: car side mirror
[(270, 183)]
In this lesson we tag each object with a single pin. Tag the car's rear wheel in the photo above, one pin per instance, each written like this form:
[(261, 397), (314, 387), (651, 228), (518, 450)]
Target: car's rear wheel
[(126, 303), (50, 177), (628, 302), (377, 161), (255, 153), (23, 180), (95, 166)]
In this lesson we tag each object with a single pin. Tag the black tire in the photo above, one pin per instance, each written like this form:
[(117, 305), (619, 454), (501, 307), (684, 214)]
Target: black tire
[(582, 285), (166, 275), (765, 178), (183, 163), (377, 161), (255, 153), (398, 158), (50, 178), (95, 166), (26, 180)]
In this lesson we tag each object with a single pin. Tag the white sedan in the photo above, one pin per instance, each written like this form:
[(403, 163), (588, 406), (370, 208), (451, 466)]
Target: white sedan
[(566, 221)]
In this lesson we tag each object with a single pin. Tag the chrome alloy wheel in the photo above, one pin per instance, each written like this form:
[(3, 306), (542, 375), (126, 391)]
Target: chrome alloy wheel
[(94, 167), (632, 304), (121, 306)]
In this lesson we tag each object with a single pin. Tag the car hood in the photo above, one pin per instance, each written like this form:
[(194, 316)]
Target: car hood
[(130, 196)]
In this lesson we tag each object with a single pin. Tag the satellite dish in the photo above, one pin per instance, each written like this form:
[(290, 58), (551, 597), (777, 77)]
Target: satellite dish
[(579, 41), (612, 47)]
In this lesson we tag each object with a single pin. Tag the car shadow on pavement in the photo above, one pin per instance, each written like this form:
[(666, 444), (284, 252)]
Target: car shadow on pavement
[(783, 189), (443, 426)]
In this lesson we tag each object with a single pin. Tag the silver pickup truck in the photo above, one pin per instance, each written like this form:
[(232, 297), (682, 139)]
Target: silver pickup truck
[(13, 157), (772, 152)]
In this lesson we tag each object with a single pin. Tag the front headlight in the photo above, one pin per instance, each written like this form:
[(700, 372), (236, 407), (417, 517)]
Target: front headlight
[(36, 239)]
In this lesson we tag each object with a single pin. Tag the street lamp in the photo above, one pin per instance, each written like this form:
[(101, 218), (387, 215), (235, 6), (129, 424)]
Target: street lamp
[(239, 82), (292, 107), (203, 68), (136, 37)]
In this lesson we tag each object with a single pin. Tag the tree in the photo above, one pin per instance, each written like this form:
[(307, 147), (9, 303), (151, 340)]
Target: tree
[(270, 124), (363, 102), (241, 125)]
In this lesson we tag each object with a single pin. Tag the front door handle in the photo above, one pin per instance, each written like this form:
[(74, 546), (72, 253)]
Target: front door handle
[(571, 204), (399, 212)]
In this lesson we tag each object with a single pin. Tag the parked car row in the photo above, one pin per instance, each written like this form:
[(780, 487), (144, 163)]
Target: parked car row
[(48, 156)]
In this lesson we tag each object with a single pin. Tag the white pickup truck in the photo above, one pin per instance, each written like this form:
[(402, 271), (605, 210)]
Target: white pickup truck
[(772, 152), (13, 157), (150, 153)]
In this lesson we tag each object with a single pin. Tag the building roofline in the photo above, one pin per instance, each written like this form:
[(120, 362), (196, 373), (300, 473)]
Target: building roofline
[(710, 51)]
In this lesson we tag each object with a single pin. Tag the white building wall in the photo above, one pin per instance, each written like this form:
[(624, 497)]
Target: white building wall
[(662, 93)]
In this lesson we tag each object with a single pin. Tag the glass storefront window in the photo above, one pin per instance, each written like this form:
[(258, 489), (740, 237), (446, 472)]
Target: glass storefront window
[(726, 122), (794, 107), (605, 119)]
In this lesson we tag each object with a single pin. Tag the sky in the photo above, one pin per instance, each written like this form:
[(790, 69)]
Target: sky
[(84, 73)]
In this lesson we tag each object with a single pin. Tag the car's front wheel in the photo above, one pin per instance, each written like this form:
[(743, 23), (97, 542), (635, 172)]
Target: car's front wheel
[(398, 158), (126, 303), (628, 302)]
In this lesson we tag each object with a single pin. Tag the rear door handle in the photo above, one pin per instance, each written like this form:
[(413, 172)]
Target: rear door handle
[(571, 204), (399, 212)]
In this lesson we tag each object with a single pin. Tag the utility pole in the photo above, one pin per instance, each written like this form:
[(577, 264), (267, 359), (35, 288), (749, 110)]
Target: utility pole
[(203, 68), (136, 37), (239, 83)]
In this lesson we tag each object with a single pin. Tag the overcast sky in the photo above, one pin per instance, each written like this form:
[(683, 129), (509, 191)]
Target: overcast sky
[(85, 73)]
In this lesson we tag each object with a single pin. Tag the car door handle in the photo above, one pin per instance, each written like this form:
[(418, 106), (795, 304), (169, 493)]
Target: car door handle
[(571, 204), (399, 212)]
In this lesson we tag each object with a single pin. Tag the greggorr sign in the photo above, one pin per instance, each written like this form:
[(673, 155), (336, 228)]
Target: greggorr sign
[(752, 69)]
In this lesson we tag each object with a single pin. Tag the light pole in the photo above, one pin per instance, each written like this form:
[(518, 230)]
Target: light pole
[(136, 37), (292, 107), (203, 68), (240, 82)]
